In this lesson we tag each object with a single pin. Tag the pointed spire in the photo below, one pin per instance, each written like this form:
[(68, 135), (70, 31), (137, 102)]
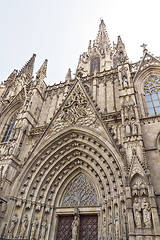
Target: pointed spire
[(121, 51), (28, 67), (68, 76), (102, 39), (42, 71), (89, 46)]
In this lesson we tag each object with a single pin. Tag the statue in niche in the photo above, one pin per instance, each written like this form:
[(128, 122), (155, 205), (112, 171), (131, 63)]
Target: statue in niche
[(137, 213), (127, 128), (44, 228), (134, 127), (12, 225), (117, 225), (26, 103), (124, 77), (34, 227), (146, 213), (24, 225), (75, 228)]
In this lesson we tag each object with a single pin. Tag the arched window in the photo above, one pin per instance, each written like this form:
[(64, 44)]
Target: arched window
[(80, 192), (9, 128), (95, 65), (152, 95)]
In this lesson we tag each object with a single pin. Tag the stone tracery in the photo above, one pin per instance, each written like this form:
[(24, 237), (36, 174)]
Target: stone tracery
[(80, 192)]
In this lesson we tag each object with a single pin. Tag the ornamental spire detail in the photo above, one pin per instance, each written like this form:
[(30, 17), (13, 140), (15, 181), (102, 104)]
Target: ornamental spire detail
[(27, 69)]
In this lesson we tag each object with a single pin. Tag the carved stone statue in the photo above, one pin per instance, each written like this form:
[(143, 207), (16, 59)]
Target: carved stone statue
[(12, 225), (75, 228), (43, 229), (134, 127), (34, 227), (124, 77), (127, 128), (137, 213), (146, 213), (24, 225)]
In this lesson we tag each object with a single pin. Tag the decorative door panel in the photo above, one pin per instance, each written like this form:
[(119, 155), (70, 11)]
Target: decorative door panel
[(88, 227), (64, 228)]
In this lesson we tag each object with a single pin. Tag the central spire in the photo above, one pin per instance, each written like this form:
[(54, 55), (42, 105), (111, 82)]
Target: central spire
[(99, 55), (102, 39)]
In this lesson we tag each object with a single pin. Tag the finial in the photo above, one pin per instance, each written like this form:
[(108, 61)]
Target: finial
[(101, 19), (144, 47)]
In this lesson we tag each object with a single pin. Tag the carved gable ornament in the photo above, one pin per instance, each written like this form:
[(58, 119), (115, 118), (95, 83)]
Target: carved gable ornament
[(75, 110)]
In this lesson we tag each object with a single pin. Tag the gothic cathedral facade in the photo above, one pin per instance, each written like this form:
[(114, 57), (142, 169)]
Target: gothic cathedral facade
[(80, 160)]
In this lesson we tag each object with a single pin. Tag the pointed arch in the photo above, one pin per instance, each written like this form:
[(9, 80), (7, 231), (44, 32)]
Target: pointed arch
[(142, 83), (8, 119), (79, 192)]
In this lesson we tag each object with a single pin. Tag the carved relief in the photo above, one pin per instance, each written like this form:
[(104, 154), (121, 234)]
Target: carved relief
[(24, 226), (34, 227), (137, 213), (76, 110), (75, 224), (13, 224), (146, 213), (44, 228)]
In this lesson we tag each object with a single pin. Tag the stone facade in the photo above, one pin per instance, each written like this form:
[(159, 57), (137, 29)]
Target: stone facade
[(80, 159)]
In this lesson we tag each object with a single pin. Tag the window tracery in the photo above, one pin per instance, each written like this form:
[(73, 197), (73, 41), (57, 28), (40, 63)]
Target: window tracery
[(152, 95), (80, 192), (9, 128)]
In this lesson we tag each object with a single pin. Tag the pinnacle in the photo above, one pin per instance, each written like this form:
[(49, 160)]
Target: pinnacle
[(28, 67), (43, 70), (68, 75), (102, 36)]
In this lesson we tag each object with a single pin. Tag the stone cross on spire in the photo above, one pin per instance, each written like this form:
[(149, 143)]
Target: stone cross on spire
[(144, 47)]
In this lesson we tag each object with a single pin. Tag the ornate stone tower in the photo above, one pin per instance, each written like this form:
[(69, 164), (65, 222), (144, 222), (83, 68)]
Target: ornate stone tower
[(80, 159)]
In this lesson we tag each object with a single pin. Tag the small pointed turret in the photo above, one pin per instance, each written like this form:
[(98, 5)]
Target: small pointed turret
[(121, 51), (102, 39), (28, 67), (89, 47), (41, 74), (68, 76)]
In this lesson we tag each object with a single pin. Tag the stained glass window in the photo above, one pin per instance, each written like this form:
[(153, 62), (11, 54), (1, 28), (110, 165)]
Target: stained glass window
[(9, 128), (80, 192), (152, 95)]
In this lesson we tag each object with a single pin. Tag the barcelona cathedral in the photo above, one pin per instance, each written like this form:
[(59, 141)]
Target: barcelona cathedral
[(80, 160)]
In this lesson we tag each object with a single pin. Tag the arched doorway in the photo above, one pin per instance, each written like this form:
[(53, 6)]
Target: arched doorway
[(78, 212), (44, 196)]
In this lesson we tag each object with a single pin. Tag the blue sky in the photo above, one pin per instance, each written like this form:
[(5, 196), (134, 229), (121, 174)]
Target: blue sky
[(60, 31)]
